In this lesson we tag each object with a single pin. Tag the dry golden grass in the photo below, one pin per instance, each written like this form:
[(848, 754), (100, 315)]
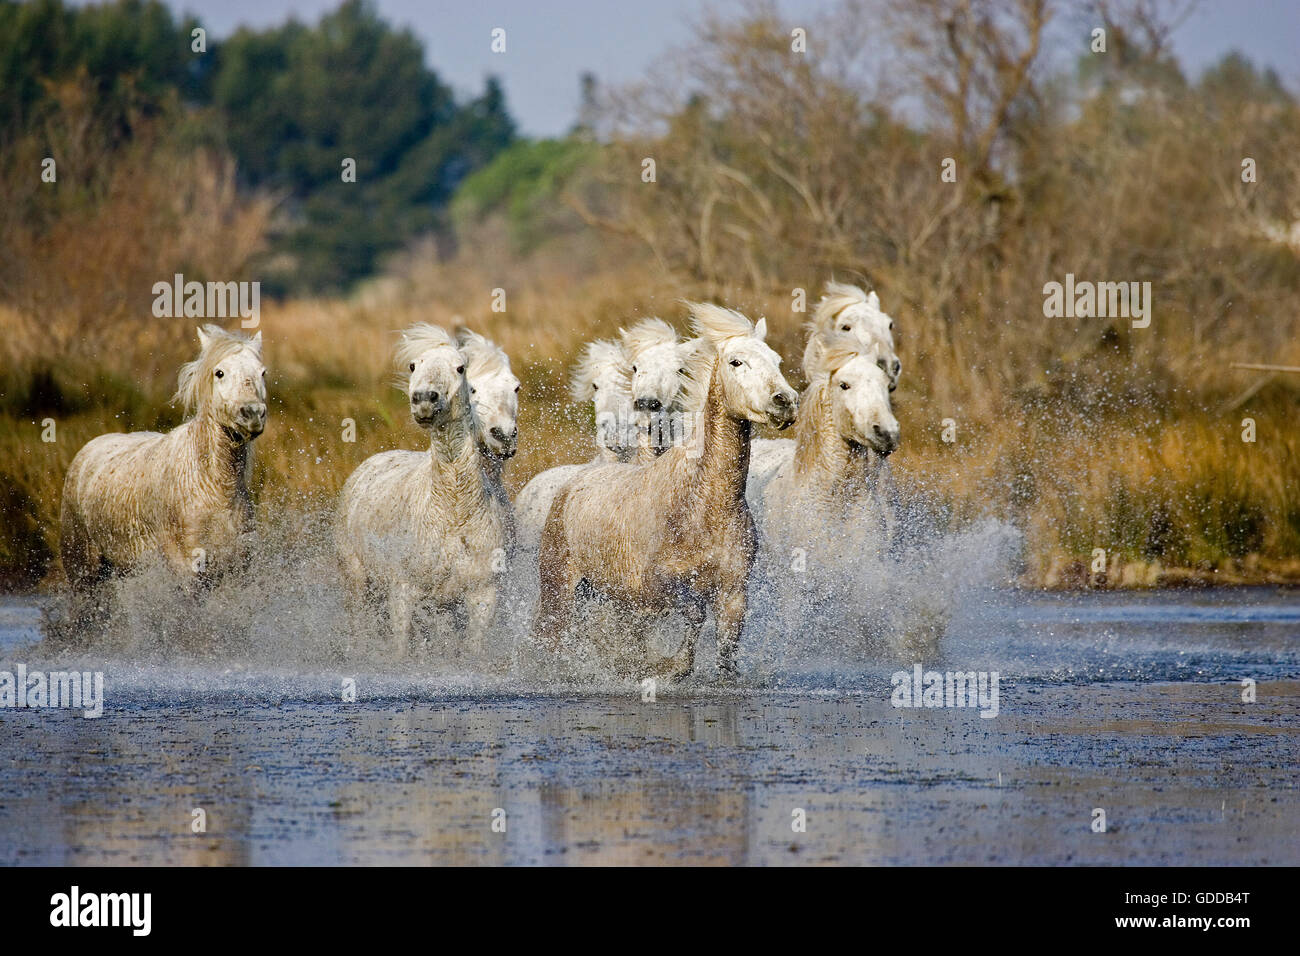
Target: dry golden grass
[(1170, 497)]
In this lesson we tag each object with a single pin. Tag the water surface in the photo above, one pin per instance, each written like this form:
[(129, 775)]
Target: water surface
[(1127, 702)]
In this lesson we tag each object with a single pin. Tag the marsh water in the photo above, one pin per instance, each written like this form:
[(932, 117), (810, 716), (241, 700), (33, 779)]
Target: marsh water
[(1131, 703)]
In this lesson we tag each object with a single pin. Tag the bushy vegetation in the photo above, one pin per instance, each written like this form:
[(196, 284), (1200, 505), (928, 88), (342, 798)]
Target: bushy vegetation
[(287, 104)]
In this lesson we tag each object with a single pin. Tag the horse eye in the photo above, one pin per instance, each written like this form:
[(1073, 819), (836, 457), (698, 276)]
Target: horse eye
[(263, 373), (473, 391), (516, 389), (844, 385), (220, 374), (594, 386), (681, 371), (891, 326), (735, 363), (846, 328), (412, 366), (634, 368), (460, 370)]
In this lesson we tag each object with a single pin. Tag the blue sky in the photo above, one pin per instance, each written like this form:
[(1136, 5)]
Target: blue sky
[(551, 42)]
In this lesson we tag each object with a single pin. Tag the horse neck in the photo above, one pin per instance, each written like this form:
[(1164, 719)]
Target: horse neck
[(723, 464), (223, 460), (824, 462), (459, 474)]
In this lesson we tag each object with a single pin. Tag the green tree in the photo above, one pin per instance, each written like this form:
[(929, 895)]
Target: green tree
[(134, 51), (300, 100)]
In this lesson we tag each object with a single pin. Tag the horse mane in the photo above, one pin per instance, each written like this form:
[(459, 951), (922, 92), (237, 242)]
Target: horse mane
[(420, 338), (827, 353), (483, 357), (836, 297), (595, 355), (807, 427), (194, 382), (646, 334), (716, 323), (712, 325)]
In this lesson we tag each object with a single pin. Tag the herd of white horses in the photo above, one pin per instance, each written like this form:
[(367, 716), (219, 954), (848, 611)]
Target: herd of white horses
[(669, 517)]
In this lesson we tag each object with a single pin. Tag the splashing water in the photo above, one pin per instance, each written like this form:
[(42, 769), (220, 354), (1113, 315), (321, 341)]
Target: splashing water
[(286, 614), (282, 626)]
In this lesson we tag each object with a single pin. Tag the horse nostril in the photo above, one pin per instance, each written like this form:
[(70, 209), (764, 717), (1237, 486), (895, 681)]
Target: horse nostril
[(781, 399), (497, 432), (433, 396)]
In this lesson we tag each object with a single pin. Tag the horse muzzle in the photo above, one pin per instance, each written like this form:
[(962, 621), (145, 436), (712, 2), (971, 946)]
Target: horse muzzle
[(504, 445), (884, 441), (428, 406), (252, 418), (784, 408)]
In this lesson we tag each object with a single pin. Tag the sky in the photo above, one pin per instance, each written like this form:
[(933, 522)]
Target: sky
[(550, 43)]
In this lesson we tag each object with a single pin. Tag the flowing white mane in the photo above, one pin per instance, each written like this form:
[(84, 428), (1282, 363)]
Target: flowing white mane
[(194, 383), (836, 297), (419, 339), (717, 324), (646, 334), (832, 352), (596, 356), (483, 357), (713, 325)]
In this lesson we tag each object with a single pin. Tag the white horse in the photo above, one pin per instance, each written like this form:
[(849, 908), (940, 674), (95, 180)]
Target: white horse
[(819, 493), (601, 377), (183, 494), (673, 533), (846, 309), (425, 528), (494, 398), (657, 363), (826, 512)]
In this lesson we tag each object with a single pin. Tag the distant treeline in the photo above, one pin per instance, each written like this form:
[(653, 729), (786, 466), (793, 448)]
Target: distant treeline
[(290, 103)]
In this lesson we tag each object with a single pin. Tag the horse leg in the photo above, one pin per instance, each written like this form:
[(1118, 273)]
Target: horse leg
[(82, 566), (555, 591), (399, 618), (729, 609), (354, 606), (681, 664), (480, 606), (555, 607)]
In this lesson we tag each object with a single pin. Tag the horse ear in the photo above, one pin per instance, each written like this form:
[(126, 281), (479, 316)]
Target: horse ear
[(257, 342), (760, 328), (204, 338), (873, 300)]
